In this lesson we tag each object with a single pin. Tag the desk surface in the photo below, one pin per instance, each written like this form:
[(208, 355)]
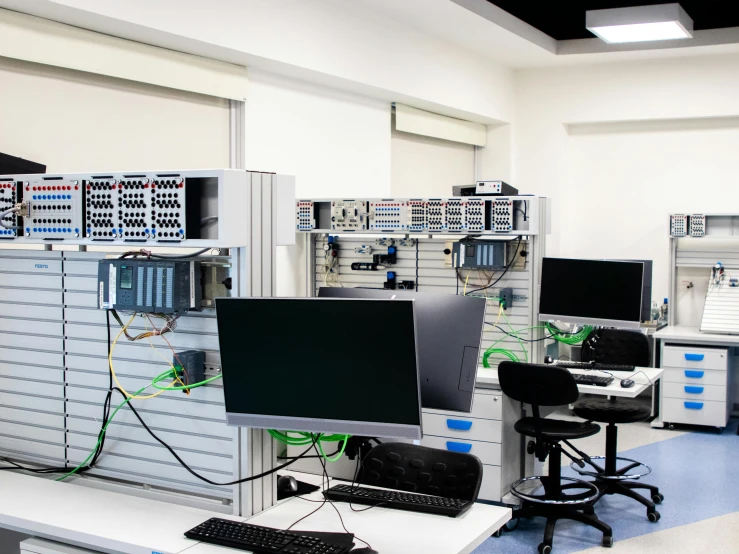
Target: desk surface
[(685, 333), (489, 377), (118, 523)]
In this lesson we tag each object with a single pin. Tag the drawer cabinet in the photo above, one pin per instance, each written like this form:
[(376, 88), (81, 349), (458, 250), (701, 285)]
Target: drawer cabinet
[(488, 452), (696, 385)]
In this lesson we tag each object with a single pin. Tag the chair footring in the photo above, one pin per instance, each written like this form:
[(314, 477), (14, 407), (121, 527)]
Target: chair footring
[(621, 474), (525, 490)]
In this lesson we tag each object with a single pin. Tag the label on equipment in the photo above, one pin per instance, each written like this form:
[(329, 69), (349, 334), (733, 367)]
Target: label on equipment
[(111, 285), (192, 285), (102, 303)]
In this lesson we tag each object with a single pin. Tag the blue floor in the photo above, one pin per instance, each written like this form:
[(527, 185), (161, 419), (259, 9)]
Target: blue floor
[(696, 472)]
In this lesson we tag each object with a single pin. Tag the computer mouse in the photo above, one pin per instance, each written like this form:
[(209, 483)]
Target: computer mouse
[(287, 484), (364, 551), (548, 360), (627, 383)]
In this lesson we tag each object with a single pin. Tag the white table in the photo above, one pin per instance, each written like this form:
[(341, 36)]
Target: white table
[(122, 524), (692, 335), (642, 376)]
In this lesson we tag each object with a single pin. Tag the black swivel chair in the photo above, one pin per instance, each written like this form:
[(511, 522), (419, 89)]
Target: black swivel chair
[(540, 385), (422, 470), (628, 348)]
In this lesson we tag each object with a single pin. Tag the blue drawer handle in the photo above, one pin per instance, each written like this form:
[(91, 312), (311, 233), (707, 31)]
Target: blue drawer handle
[(459, 424), (458, 446), (694, 357), (693, 390), (694, 374), (693, 405)]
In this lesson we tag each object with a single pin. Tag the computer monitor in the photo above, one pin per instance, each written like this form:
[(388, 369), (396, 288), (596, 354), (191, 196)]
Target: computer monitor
[(594, 292), (449, 330), (322, 365)]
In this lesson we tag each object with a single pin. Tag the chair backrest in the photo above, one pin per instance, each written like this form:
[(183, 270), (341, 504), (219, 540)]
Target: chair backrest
[(423, 470), (617, 346), (539, 385)]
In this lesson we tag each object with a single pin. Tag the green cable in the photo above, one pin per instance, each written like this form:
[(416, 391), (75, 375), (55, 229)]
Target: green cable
[(102, 434), (569, 338), (338, 455), (515, 334), (170, 373)]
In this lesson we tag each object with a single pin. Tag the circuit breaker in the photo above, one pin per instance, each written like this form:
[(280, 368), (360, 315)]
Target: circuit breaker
[(149, 286)]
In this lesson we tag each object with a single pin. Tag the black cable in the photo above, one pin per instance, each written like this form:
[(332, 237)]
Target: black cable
[(135, 253), (194, 473), (515, 337), (505, 270)]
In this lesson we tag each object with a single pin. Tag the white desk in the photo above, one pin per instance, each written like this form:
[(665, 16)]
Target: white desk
[(692, 335), (641, 376), (121, 524)]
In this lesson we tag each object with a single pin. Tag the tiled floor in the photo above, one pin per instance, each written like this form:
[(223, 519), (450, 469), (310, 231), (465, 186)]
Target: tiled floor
[(696, 470)]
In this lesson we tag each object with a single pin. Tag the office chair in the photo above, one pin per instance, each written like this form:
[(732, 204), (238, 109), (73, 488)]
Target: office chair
[(540, 385), (629, 348), (422, 470)]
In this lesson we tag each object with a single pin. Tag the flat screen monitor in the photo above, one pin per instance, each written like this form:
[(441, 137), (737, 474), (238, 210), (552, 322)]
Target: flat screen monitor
[(449, 331), (593, 292), (321, 365)]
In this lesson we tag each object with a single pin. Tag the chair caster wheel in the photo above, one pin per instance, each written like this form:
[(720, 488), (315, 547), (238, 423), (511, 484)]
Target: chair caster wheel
[(545, 549), (607, 541), (653, 517), (497, 534), (657, 498)]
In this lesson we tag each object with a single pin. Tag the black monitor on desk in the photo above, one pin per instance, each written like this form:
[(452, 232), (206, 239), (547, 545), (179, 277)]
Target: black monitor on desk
[(449, 334), (611, 293), (322, 365)]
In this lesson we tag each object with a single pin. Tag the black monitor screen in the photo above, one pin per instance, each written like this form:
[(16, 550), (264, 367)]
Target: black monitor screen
[(321, 359), (595, 289)]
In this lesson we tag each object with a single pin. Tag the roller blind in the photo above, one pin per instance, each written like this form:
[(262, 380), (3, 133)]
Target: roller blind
[(420, 122)]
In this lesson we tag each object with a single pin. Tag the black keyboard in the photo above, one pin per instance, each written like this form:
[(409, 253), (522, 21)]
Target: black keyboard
[(596, 365), (597, 380), (265, 540), (398, 500)]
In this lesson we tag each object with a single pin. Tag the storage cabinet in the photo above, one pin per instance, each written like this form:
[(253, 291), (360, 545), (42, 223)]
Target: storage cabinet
[(695, 385)]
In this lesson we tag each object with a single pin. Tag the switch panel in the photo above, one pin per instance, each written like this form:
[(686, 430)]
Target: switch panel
[(475, 215), (167, 204), (54, 209), (501, 215), (436, 215), (306, 215), (455, 214), (8, 199), (417, 215), (388, 215), (137, 213), (697, 225), (678, 225), (101, 208), (349, 215)]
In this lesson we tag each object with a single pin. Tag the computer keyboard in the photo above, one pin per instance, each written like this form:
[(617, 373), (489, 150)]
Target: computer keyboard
[(596, 365), (398, 500), (265, 540), (597, 380)]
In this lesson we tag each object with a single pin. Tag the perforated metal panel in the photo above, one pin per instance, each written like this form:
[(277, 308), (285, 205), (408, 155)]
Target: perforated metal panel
[(424, 263)]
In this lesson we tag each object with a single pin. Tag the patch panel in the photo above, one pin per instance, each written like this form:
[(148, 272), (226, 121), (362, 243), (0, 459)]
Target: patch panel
[(436, 215), (455, 214), (501, 215), (417, 215), (678, 225), (101, 208), (8, 199), (167, 205), (306, 215), (54, 209), (388, 215), (474, 215), (697, 225), (349, 215)]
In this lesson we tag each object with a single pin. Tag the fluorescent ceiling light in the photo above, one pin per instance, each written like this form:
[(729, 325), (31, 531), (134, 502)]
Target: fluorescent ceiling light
[(640, 23)]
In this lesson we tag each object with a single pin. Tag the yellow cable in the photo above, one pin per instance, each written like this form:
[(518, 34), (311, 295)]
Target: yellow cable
[(464, 292), (112, 371), (500, 313), (168, 362)]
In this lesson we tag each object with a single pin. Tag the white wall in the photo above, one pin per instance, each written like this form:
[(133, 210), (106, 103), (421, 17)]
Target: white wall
[(73, 121), (336, 144), (619, 146), (429, 167), (336, 41)]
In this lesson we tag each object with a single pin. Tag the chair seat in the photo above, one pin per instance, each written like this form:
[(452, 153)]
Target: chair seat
[(616, 410), (556, 429)]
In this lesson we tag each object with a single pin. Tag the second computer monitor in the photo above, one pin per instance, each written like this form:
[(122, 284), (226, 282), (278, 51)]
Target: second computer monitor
[(449, 329)]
